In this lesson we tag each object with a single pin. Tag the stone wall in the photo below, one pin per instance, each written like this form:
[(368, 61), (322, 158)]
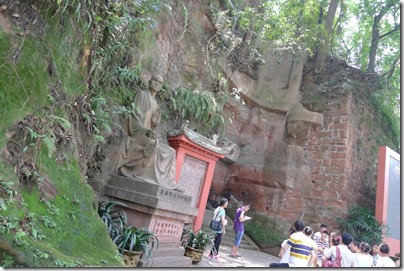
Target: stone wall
[(329, 148)]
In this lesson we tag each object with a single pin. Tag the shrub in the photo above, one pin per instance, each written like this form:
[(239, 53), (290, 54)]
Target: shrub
[(361, 223)]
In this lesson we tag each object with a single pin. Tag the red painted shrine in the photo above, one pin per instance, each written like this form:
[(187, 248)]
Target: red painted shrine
[(196, 158)]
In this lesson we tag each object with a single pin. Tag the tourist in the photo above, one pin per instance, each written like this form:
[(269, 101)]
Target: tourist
[(302, 252), (308, 231), (221, 215), (384, 259), (317, 235), (238, 227), (284, 262), (354, 247), (397, 262), (347, 257), (322, 245), (363, 258), (375, 253), (334, 241), (332, 236)]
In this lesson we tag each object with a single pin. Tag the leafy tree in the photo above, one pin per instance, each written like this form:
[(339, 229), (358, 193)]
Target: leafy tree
[(323, 46), (378, 25)]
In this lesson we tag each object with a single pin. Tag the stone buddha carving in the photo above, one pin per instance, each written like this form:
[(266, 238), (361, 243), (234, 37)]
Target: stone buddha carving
[(142, 155)]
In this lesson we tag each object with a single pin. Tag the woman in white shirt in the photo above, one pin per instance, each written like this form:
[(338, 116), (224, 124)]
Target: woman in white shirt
[(363, 258)]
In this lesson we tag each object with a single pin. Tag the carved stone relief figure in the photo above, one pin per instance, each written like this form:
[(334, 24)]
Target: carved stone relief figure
[(142, 155)]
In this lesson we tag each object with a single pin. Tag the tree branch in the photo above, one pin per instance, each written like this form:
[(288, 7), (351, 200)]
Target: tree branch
[(391, 71), (390, 32)]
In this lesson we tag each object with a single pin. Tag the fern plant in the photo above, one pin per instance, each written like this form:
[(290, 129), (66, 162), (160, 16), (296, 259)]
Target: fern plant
[(185, 14), (200, 106), (48, 138)]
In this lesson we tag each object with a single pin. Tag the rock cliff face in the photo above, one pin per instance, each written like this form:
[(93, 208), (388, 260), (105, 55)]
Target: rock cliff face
[(299, 157), (301, 164), (297, 132)]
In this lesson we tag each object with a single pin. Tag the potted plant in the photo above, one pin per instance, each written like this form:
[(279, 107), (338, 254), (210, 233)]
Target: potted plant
[(197, 243), (115, 220), (134, 243)]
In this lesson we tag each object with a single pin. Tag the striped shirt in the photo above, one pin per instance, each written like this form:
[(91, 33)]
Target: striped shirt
[(323, 245), (300, 249)]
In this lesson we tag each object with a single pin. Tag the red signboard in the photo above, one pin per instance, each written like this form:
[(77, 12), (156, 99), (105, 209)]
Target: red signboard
[(388, 196)]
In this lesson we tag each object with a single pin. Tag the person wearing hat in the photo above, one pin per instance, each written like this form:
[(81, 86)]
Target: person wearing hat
[(322, 245)]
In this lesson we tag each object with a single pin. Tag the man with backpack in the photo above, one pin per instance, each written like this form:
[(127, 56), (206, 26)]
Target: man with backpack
[(345, 256)]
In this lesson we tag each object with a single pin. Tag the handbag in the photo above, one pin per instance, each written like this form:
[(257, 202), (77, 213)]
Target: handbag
[(215, 225), (327, 263), (336, 263)]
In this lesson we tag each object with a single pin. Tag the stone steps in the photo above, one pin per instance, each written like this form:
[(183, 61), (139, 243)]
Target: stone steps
[(167, 257)]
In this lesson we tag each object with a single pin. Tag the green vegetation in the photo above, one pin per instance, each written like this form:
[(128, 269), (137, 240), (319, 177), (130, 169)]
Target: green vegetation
[(66, 80), (266, 231), (202, 108), (114, 220), (64, 231), (315, 29), (200, 239), (132, 239), (127, 238), (361, 223)]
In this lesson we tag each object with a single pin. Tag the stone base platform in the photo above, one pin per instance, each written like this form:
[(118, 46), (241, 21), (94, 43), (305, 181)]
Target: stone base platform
[(161, 210)]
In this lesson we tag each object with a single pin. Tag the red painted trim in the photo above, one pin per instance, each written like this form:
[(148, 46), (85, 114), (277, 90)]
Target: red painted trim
[(183, 146), (183, 142), (382, 190)]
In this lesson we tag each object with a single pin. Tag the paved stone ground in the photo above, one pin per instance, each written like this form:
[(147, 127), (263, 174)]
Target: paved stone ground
[(249, 258)]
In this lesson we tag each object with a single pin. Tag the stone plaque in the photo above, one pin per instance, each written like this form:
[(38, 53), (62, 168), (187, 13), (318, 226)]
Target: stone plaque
[(191, 177), (167, 230)]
